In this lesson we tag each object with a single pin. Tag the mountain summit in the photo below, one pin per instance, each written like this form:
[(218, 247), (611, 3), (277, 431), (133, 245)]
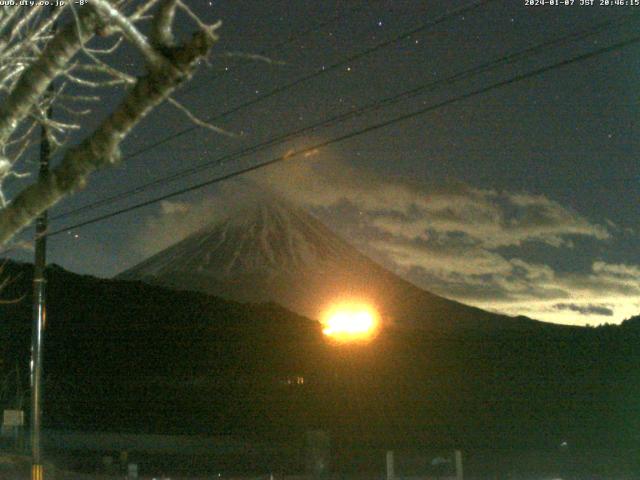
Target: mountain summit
[(269, 250)]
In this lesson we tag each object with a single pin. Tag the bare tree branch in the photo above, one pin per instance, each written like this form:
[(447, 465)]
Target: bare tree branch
[(205, 28), (142, 10), (33, 55), (161, 28), (102, 148), (105, 51), (251, 56), (198, 121), (36, 78), (117, 18), (104, 69)]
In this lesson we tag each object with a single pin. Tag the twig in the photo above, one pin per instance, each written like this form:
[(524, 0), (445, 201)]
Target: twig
[(113, 16), (251, 56), (208, 29), (198, 121)]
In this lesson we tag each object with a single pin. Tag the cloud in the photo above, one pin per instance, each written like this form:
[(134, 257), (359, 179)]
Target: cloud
[(604, 292), (411, 210), (175, 221), (460, 241), (442, 260), (452, 239), (618, 271), (588, 309), (168, 208)]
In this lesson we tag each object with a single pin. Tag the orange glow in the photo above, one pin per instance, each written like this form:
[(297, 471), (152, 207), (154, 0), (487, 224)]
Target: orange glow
[(351, 322)]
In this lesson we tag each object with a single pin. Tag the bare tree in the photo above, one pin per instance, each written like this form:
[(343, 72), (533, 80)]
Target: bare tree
[(41, 66)]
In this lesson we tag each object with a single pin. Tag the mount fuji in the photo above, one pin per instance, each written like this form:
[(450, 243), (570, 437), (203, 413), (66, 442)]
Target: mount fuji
[(270, 250)]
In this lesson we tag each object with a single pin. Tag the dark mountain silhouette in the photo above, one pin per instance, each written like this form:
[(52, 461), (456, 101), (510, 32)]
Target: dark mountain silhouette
[(126, 356), (270, 250)]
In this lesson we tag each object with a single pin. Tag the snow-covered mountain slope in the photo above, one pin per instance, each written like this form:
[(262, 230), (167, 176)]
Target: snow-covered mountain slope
[(270, 250)]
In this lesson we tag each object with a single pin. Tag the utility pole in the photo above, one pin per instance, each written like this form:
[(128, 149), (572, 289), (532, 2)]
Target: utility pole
[(39, 312), (39, 297)]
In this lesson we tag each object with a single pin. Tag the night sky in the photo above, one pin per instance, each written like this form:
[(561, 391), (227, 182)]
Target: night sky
[(523, 199)]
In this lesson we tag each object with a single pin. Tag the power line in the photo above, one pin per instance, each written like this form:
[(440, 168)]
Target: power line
[(487, 66), (317, 73), (356, 133)]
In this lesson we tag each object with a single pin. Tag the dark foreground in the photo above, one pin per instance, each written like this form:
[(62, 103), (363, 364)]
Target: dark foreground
[(122, 356)]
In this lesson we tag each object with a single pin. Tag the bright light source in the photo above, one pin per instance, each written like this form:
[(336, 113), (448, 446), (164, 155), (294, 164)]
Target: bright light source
[(350, 322)]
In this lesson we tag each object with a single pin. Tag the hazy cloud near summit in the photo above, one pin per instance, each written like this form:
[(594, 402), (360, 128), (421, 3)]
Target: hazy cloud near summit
[(175, 221), (411, 210)]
